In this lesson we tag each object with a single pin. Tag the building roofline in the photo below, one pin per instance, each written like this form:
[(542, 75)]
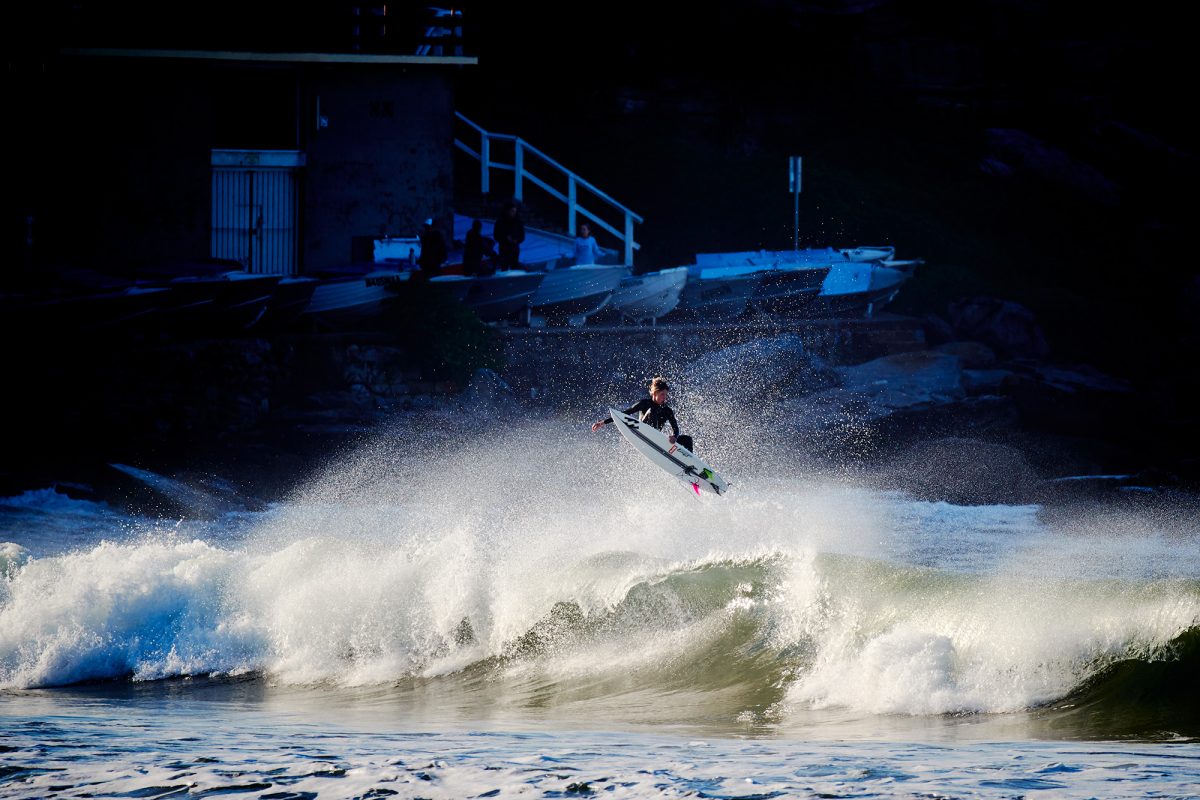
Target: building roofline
[(294, 58)]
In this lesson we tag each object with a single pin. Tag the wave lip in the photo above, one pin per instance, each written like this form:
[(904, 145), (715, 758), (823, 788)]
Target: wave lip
[(890, 640), (147, 610), (769, 634)]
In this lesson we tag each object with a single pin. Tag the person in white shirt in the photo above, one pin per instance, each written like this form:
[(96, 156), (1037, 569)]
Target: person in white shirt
[(586, 249)]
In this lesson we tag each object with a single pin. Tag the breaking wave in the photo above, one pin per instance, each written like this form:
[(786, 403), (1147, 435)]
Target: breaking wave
[(545, 587)]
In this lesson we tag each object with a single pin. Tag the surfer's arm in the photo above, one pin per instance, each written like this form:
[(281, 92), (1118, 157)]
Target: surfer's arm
[(636, 408)]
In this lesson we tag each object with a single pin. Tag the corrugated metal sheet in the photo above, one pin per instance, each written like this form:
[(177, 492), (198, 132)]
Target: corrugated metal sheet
[(255, 214)]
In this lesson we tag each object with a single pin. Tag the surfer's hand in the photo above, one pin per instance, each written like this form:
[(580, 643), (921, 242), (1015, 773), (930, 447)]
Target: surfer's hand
[(597, 426), (671, 438)]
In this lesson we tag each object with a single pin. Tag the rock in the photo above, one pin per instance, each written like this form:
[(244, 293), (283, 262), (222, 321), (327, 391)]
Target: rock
[(1076, 378), (986, 381), (326, 401), (964, 471), (361, 396), (763, 366), (1082, 401), (973, 355), (922, 372), (1024, 153), (1145, 153), (487, 391), (995, 168), (1146, 489), (878, 389), (937, 330), (1007, 327)]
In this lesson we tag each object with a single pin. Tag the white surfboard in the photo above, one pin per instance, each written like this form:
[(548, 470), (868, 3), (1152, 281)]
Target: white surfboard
[(674, 459)]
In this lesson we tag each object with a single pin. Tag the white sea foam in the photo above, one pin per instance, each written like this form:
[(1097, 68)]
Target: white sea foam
[(53, 501), (573, 584)]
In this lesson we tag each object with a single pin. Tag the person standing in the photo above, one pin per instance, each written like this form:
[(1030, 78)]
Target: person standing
[(587, 251), (509, 232)]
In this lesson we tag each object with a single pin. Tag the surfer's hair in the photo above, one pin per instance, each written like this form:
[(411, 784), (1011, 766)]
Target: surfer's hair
[(659, 384)]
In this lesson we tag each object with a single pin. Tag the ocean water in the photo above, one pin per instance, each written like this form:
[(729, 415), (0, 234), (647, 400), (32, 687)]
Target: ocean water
[(430, 619)]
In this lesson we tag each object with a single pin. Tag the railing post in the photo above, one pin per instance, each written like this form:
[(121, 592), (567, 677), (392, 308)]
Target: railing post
[(572, 199), (519, 168), (485, 161), (571, 203), (628, 239)]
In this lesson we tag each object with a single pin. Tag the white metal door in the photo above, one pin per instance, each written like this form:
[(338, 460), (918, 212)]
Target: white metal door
[(255, 209)]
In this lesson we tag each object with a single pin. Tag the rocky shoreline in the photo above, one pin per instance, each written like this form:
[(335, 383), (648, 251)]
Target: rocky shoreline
[(970, 408)]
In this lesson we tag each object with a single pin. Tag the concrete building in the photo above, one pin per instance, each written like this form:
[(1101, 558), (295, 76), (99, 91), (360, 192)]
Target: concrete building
[(281, 159)]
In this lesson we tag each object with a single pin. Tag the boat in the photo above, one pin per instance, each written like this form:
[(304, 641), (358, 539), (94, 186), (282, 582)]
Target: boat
[(808, 255), (495, 297), (351, 296), (456, 286), (572, 294), (785, 282), (233, 301), (768, 289), (541, 251), (288, 301), (503, 295), (397, 250), (858, 289), (717, 293), (207, 296), (880, 253), (125, 310), (789, 289), (650, 295)]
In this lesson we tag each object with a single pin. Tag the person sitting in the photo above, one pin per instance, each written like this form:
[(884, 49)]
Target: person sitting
[(477, 247), (509, 231), (433, 250)]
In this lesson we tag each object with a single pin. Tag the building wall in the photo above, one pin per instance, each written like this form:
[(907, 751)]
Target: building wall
[(115, 156), (384, 162)]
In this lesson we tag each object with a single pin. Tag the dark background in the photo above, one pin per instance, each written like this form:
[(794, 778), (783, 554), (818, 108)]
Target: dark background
[(1036, 151), (1040, 152)]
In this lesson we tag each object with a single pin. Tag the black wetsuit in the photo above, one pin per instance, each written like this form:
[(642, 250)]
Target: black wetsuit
[(656, 416)]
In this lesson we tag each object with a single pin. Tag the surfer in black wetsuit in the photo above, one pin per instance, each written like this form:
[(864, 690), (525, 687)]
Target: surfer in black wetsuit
[(654, 411)]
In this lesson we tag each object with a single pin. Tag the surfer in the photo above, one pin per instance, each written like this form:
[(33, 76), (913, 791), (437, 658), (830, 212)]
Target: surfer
[(655, 412)]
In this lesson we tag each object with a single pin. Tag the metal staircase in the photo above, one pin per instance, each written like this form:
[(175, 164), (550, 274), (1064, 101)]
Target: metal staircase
[(523, 155)]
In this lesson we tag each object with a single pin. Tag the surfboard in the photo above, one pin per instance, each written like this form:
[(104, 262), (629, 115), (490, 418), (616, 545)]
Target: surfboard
[(674, 459)]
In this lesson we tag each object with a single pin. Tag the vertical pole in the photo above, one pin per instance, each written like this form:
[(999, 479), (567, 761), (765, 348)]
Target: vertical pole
[(796, 221), (519, 167), (628, 239), (571, 203), (795, 176), (485, 161)]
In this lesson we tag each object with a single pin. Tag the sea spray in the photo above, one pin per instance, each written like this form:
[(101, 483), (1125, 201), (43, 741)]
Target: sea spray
[(491, 574)]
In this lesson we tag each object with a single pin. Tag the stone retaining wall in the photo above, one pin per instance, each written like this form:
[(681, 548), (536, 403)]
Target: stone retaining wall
[(557, 365)]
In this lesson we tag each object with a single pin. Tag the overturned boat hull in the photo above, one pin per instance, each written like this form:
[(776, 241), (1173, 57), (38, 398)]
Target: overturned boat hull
[(650, 295)]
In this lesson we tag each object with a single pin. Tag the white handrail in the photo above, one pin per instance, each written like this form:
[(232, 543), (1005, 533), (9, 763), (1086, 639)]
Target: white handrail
[(522, 174)]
